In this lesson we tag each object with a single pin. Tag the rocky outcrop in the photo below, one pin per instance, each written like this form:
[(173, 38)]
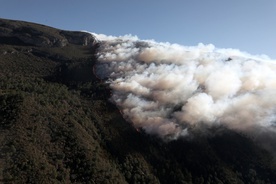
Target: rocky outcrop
[(78, 38), (24, 33)]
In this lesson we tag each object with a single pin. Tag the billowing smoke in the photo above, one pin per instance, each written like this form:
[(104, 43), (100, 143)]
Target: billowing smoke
[(168, 89)]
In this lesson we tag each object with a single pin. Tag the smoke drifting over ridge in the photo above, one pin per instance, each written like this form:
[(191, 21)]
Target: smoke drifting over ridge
[(168, 89)]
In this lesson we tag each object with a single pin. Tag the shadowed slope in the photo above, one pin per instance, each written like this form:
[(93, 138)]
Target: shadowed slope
[(58, 126)]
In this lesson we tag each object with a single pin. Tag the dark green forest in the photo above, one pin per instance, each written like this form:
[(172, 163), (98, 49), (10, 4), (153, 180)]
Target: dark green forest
[(57, 124)]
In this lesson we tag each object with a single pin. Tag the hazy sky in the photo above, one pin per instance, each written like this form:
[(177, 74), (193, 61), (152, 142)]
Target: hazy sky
[(248, 25)]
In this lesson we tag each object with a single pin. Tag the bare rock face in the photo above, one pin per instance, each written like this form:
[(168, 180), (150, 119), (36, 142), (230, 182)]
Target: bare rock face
[(78, 38), (24, 33)]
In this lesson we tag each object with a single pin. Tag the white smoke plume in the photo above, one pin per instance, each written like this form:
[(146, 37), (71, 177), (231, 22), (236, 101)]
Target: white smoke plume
[(168, 89)]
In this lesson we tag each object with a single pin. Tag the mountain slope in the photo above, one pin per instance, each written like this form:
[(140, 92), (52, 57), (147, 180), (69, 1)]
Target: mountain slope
[(58, 126)]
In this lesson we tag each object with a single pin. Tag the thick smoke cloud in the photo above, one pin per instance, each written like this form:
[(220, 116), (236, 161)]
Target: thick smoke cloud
[(169, 89)]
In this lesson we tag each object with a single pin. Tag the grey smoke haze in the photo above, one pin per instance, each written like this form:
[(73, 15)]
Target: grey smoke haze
[(167, 89)]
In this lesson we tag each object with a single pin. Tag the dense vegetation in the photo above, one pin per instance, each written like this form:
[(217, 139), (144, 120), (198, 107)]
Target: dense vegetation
[(58, 126)]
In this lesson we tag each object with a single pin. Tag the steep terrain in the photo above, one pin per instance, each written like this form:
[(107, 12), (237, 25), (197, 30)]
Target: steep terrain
[(58, 126)]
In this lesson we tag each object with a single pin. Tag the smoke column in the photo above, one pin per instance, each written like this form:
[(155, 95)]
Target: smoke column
[(169, 89)]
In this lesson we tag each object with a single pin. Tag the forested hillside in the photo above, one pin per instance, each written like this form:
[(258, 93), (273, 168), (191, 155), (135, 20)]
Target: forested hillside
[(57, 124)]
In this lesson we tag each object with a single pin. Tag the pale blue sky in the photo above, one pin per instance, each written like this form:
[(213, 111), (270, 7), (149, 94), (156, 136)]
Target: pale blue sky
[(248, 25)]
